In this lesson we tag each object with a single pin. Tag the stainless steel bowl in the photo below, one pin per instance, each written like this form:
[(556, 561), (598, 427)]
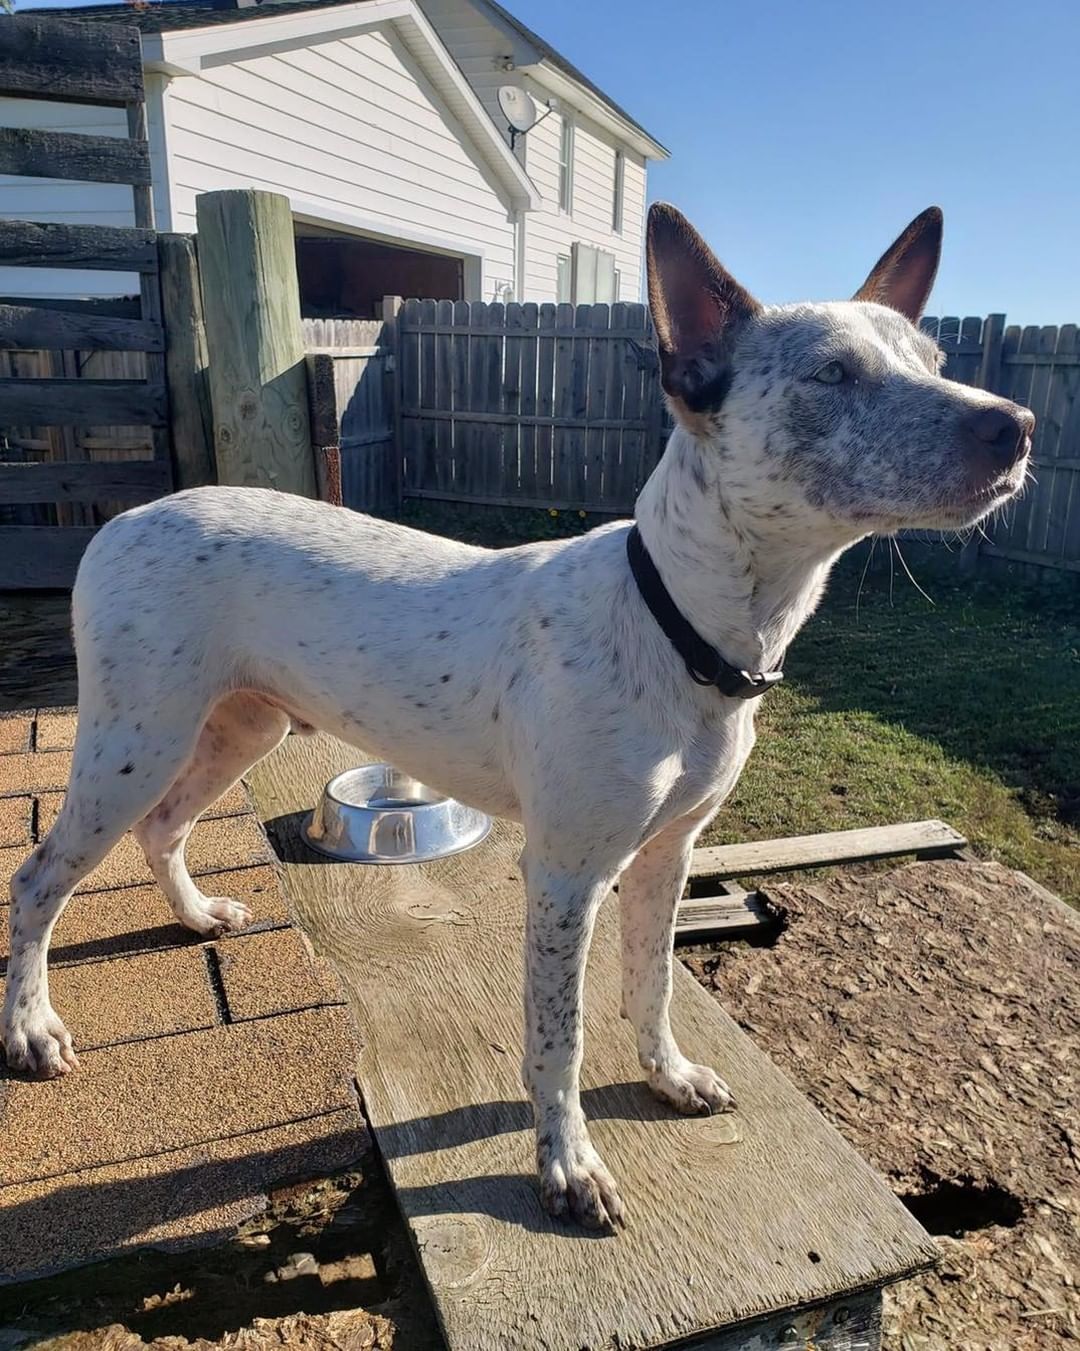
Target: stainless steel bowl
[(377, 814)]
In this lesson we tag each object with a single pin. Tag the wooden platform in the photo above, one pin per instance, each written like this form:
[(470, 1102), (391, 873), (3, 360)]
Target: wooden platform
[(752, 1230)]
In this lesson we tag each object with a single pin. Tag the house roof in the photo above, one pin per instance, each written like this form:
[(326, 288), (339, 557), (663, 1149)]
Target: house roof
[(160, 16)]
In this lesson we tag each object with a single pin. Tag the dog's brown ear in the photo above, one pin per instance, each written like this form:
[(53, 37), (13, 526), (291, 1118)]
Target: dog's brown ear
[(696, 309), (903, 276)]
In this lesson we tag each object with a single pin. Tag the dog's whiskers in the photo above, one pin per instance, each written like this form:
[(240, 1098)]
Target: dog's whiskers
[(911, 579)]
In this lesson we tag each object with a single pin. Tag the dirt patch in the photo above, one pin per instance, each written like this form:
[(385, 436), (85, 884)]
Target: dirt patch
[(327, 1266), (933, 1014)]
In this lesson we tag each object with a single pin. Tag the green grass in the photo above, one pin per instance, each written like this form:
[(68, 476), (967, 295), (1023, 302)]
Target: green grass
[(967, 709)]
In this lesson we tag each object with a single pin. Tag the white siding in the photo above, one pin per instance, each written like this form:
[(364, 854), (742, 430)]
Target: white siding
[(350, 131), (550, 232), (479, 46)]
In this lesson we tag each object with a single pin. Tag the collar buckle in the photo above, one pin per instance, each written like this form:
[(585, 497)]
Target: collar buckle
[(705, 665)]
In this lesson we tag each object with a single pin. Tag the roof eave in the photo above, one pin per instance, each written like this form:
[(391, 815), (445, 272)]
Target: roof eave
[(570, 91)]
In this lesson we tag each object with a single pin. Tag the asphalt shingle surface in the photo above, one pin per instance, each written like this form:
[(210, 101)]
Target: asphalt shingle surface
[(210, 1070)]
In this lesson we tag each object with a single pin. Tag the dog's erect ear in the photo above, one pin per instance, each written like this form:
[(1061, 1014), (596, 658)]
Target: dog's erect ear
[(696, 309), (903, 276)]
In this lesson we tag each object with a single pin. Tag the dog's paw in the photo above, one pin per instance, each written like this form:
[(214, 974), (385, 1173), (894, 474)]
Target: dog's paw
[(219, 915), (38, 1044), (694, 1090), (575, 1185)]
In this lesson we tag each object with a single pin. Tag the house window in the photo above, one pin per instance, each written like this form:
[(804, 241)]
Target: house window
[(566, 165), (616, 205), (592, 275), (562, 279)]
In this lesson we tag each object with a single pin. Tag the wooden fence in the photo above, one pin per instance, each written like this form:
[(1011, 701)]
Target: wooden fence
[(56, 468), (528, 405), (1039, 368), (557, 406)]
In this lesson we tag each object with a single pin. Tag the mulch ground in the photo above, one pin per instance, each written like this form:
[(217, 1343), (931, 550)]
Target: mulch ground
[(932, 1013)]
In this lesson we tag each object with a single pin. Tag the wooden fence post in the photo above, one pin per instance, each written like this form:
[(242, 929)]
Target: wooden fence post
[(190, 417), (258, 375), (391, 307)]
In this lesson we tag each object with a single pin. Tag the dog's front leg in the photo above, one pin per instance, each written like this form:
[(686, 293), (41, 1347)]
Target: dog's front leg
[(649, 893), (561, 914)]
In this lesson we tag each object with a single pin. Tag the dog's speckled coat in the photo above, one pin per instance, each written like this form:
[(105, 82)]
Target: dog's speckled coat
[(532, 683)]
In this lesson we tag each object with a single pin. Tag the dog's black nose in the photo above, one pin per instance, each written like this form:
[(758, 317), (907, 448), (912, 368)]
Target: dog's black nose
[(999, 432)]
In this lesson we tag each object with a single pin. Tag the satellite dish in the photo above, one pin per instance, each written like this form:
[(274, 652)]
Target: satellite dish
[(518, 108)]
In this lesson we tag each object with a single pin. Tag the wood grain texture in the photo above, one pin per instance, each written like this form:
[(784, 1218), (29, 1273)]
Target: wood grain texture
[(73, 155), (731, 1218), (62, 59), (31, 326), (836, 846), (109, 248), (251, 307), (85, 481), (82, 403), (41, 555), (191, 423)]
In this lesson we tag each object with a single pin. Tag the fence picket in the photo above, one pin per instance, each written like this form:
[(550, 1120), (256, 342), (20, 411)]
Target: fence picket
[(545, 398)]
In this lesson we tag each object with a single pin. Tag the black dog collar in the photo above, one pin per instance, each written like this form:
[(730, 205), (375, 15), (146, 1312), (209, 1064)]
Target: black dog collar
[(705, 664)]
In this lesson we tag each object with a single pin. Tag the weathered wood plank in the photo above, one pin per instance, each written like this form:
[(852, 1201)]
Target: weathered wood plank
[(1063, 416), (84, 481), (839, 846), (41, 557), (511, 500), (702, 917), (731, 1218), (81, 403), (444, 466), (562, 481), (191, 419), (29, 326), (63, 59), (428, 441), (522, 419), (109, 248), (528, 318), (251, 309), (73, 155), (545, 400), (408, 363)]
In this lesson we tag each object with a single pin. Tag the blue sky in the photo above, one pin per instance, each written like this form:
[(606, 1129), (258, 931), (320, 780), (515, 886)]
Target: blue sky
[(806, 133)]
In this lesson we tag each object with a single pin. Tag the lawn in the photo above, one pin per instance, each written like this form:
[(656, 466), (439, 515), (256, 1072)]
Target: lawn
[(896, 708)]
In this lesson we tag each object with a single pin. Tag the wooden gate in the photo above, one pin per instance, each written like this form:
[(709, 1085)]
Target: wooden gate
[(51, 387), (353, 393), (555, 406)]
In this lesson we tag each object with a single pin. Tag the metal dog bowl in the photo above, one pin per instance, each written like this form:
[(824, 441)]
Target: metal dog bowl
[(377, 814)]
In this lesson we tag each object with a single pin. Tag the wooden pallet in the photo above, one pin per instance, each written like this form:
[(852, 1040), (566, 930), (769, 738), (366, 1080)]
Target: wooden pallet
[(716, 906)]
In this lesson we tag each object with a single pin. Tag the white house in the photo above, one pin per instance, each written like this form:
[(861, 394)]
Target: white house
[(379, 120)]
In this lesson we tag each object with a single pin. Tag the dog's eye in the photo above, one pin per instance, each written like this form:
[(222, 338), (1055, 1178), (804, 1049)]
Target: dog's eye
[(832, 373)]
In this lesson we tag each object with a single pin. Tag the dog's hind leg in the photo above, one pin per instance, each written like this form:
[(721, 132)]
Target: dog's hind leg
[(240, 730), (120, 768), (649, 892)]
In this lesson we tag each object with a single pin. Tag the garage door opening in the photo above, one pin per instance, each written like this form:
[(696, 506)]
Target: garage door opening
[(346, 277)]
